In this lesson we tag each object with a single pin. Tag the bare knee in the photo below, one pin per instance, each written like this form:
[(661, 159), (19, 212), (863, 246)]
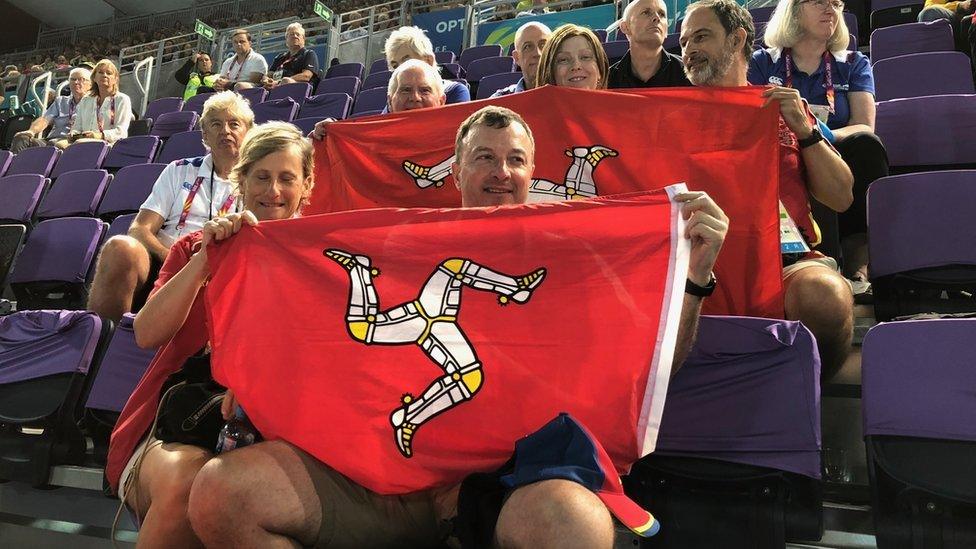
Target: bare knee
[(819, 295), (554, 513), (168, 476), (124, 253)]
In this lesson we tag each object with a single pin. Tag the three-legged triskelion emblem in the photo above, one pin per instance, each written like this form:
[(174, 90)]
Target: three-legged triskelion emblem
[(579, 177), (430, 321)]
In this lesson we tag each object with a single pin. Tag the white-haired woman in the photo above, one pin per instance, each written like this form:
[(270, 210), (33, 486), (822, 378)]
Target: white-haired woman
[(273, 178), (104, 114), (807, 51), (412, 43)]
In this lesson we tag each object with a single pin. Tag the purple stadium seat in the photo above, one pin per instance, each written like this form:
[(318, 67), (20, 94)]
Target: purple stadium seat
[(76, 193), (298, 91), (917, 399), (452, 70), (928, 131), (739, 440), (254, 96), (671, 43), (370, 100), (306, 125), (120, 370), (182, 145), (21, 196), (919, 74), (346, 69), (56, 263), (601, 34), (852, 27), (364, 114), (11, 237), (281, 109), (761, 14), (195, 103), (44, 359), (6, 157), (326, 105), (174, 122), (480, 68), (131, 150), (616, 50), (442, 57), (162, 106), (495, 82), (120, 225), (768, 371), (377, 80), (129, 189), (80, 156), (378, 66), (911, 38), (478, 52), (348, 85), (39, 160), (885, 13)]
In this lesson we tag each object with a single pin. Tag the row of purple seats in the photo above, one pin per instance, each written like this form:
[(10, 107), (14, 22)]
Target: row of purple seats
[(51, 162), (911, 38), (928, 131), (886, 13), (920, 74)]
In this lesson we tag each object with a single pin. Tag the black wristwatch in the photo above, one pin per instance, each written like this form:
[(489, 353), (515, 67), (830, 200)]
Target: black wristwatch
[(812, 139), (700, 291)]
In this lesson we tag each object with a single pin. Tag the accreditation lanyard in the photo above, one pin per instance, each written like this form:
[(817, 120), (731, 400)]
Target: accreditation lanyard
[(98, 115), (224, 208), (828, 80), (72, 105), (233, 78)]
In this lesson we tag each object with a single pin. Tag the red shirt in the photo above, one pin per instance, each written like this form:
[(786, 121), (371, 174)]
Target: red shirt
[(140, 410)]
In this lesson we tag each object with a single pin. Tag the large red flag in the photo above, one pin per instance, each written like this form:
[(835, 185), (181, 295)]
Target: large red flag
[(592, 142), (408, 348)]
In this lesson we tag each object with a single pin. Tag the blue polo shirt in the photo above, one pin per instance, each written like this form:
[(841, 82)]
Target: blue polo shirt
[(851, 73)]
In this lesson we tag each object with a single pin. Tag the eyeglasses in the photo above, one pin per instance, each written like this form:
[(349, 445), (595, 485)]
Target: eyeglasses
[(837, 5)]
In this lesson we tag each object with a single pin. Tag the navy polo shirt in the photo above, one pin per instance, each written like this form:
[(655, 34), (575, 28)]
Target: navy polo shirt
[(851, 73), (671, 73)]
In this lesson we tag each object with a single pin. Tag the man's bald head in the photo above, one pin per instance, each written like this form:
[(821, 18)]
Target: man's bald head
[(530, 38)]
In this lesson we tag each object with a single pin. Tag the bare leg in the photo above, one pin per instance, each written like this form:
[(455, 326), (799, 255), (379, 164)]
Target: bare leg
[(554, 513), (160, 494), (821, 299), (123, 267), (258, 496)]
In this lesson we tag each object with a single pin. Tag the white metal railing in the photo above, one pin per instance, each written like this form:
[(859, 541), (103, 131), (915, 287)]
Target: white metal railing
[(45, 77), (363, 31), (480, 12), (143, 83)]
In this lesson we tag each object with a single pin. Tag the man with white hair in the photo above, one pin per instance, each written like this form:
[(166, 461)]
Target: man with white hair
[(411, 43), (61, 113), (298, 64), (646, 64), (530, 38)]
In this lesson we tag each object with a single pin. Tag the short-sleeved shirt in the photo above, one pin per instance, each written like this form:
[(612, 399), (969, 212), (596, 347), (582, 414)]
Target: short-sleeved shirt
[(851, 72), (456, 92), (61, 115), (235, 71), (291, 64), (212, 199), (111, 118), (671, 73), (517, 87)]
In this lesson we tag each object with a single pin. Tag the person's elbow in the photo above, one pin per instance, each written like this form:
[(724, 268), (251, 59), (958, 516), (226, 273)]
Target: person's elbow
[(146, 336), (843, 195)]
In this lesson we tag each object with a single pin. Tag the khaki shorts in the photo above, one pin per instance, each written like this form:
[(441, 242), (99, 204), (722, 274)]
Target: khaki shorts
[(355, 517), (814, 259)]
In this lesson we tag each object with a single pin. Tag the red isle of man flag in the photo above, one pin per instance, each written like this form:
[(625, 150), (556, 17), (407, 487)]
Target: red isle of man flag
[(407, 348), (591, 143)]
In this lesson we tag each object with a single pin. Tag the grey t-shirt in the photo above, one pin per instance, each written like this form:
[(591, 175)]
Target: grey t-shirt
[(235, 72)]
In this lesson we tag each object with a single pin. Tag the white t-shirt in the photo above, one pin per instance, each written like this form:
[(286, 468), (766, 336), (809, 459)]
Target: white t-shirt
[(172, 188), (236, 72)]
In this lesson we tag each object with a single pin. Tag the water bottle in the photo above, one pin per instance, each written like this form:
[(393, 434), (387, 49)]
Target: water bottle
[(237, 433)]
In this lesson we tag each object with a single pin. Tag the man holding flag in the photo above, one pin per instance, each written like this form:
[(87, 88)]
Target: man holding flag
[(281, 496)]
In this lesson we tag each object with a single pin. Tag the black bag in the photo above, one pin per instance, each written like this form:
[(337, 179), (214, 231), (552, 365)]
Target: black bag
[(189, 410)]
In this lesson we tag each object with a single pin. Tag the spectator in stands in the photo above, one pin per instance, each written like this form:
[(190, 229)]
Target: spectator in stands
[(946, 9), (61, 64), (573, 57), (803, 38), (298, 64), (105, 113), (275, 168), (528, 8), (716, 45), (61, 114), (300, 500), (646, 64), (245, 69), (187, 194), (411, 43), (413, 85), (530, 39), (197, 75)]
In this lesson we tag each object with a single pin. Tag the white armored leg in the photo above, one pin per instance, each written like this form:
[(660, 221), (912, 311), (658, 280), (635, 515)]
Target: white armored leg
[(579, 176), (425, 176)]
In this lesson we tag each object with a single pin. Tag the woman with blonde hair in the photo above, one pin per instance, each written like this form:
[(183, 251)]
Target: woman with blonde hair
[(103, 115), (573, 57), (808, 42), (150, 468)]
